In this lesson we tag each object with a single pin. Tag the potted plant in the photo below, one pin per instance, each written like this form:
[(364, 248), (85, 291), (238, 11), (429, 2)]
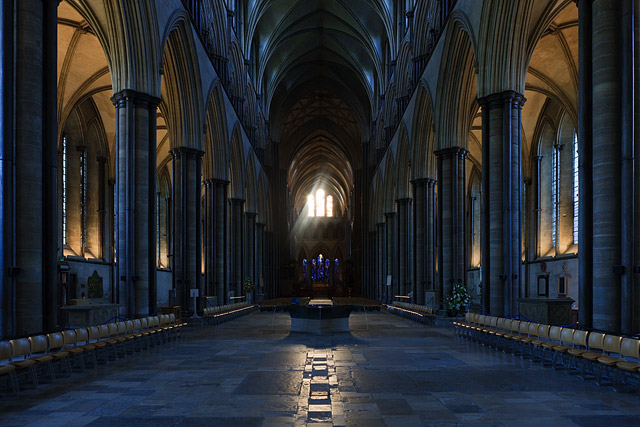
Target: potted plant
[(458, 301), (248, 289)]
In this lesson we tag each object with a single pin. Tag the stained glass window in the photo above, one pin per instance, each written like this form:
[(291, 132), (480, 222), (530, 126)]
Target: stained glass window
[(320, 203), (311, 205), (336, 270), (329, 205), (304, 269)]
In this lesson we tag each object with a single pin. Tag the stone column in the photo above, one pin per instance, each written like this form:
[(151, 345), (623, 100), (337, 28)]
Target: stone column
[(419, 219), (260, 256), (209, 238), (613, 148), (430, 235), (237, 243), (403, 206), (390, 255), (501, 204), (28, 159), (585, 158), (452, 178), (221, 256), (250, 247), (135, 204), (380, 261), (187, 255)]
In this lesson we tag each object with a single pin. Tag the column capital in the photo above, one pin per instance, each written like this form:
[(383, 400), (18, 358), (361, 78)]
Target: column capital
[(389, 214), (499, 99), (178, 152), (452, 151), (236, 201), (404, 201), (250, 214), (419, 181), (379, 224), (138, 98), (220, 182)]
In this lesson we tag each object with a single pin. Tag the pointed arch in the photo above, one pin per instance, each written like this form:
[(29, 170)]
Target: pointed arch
[(216, 147), (181, 90), (389, 185), (237, 165), (251, 203), (457, 88), (403, 164), (423, 135)]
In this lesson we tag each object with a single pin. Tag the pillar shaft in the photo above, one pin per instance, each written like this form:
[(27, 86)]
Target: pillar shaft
[(419, 241), (451, 211), (250, 246), (187, 255), (404, 280), (135, 205), (209, 243), (220, 241), (390, 255), (380, 260), (501, 183), (260, 257), (430, 236), (237, 245)]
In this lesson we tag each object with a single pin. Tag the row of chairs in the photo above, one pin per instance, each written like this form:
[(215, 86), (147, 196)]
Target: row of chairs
[(222, 313), (415, 312), (60, 353), (590, 354)]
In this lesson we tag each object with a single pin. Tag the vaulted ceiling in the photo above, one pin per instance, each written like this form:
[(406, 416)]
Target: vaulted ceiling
[(320, 69)]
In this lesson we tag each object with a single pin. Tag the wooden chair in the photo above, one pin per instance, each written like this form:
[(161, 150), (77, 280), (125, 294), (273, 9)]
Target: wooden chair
[(101, 346), (56, 350), (612, 355), (630, 350), (579, 346), (6, 369), (90, 349), (595, 349), (40, 353), (542, 335), (21, 359), (76, 354), (555, 334)]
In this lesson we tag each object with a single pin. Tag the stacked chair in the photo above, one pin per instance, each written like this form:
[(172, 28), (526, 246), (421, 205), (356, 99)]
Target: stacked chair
[(31, 359), (607, 358)]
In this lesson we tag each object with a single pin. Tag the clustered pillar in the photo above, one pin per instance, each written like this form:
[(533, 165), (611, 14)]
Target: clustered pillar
[(390, 291), (187, 252), (452, 213), (237, 232), (501, 209), (28, 159), (135, 202), (404, 285), (608, 134)]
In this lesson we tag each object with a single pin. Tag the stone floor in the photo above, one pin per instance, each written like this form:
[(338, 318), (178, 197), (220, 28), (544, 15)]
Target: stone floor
[(387, 371)]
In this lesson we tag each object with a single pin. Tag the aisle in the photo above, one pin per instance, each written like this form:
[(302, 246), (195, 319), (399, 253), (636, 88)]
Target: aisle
[(388, 371)]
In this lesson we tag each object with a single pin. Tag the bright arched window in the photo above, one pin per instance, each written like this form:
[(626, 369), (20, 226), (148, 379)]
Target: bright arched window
[(329, 205), (319, 204)]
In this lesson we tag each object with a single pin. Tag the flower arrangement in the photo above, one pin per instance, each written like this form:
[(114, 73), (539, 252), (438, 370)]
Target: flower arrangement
[(248, 285), (459, 298)]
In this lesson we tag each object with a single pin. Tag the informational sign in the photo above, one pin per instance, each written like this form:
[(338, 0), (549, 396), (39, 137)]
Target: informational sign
[(388, 280), (194, 293)]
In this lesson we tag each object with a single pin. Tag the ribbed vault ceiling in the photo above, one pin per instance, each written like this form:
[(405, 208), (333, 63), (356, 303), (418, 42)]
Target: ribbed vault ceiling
[(320, 65)]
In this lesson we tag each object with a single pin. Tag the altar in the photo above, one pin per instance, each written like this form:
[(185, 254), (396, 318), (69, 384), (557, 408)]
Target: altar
[(319, 316), (84, 315)]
